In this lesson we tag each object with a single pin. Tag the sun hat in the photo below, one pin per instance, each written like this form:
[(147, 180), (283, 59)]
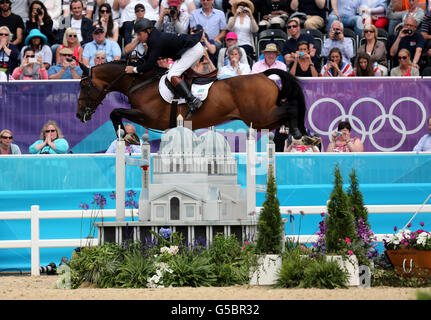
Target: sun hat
[(35, 33), (66, 51), (271, 47), (237, 2), (231, 35), (173, 3)]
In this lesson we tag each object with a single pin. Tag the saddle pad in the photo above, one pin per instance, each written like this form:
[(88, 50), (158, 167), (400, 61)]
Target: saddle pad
[(198, 90)]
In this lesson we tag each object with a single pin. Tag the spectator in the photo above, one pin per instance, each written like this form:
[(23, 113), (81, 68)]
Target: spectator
[(426, 27), (186, 6), (172, 20), (336, 67), (424, 143), (51, 140), (230, 40), (425, 62), (130, 129), (38, 42), (31, 67), (9, 52), (202, 66), (6, 145), (397, 19), (209, 45), (274, 14), (152, 9), (336, 39), (99, 57), (235, 67), (408, 38), (269, 60), (212, 20), (70, 40), (346, 11), (406, 67), (342, 141), (77, 21), (54, 9), (111, 48), (20, 8), (112, 30), (66, 68), (315, 11), (88, 8), (364, 67), (374, 12), (3, 76), (38, 18), (244, 25), (305, 144), (295, 37), (129, 35), (12, 21), (375, 48), (302, 65)]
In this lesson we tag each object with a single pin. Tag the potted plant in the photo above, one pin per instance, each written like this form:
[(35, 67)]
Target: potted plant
[(410, 252), (337, 234), (270, 233)]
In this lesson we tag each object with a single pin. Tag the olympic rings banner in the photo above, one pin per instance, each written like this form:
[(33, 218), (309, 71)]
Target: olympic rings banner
[(387, 114)]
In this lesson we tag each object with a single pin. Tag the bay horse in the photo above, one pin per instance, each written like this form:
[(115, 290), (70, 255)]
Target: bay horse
[(254, 98)]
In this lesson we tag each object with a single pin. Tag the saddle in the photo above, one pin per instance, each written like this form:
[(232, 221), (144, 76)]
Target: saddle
[(190, 76)]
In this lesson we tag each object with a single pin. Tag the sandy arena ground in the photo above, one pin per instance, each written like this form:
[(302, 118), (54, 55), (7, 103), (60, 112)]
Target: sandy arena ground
[(25, 287)]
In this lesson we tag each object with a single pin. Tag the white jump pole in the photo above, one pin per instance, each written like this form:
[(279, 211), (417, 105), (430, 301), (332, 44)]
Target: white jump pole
[(251, 171), (270, 152), (120, 177), (35, 256)]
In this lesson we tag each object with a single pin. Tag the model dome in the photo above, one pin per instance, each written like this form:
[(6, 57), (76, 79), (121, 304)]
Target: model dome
[(180, 140), (214, 144)]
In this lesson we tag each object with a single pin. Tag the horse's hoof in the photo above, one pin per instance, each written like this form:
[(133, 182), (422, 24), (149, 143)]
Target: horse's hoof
[(296, 133)]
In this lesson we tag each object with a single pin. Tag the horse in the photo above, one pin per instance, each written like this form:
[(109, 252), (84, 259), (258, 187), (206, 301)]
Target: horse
[(254, 98)]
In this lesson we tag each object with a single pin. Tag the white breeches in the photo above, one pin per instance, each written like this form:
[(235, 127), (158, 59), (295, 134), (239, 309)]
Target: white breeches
[(188, 58)]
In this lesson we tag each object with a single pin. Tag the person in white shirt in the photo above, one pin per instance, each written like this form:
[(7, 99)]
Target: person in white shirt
[(235, 67)]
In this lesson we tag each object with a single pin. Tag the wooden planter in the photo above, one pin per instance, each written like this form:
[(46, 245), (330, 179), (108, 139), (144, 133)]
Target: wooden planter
[(410, 261)]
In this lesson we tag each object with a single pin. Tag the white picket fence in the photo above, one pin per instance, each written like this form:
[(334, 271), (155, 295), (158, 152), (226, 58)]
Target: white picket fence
[(35, 243)]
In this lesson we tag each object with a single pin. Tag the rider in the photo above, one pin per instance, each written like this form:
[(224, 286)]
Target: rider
[(184, 48)]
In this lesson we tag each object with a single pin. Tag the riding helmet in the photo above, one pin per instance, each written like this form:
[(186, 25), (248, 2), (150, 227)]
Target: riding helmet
[(143, 24)]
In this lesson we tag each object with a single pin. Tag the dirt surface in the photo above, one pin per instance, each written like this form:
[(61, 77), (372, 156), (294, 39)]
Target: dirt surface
[(25, 287)]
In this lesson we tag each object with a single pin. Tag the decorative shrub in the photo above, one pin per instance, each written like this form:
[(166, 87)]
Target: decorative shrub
[(270, 228)]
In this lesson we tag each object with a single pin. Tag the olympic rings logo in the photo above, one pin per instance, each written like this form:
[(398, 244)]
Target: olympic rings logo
[(376, 125)]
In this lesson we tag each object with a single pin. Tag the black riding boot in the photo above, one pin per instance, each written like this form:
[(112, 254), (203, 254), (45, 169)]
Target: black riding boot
[(193, 102)]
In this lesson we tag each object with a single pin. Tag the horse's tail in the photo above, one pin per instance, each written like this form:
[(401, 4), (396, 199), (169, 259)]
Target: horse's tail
[(291, 96)]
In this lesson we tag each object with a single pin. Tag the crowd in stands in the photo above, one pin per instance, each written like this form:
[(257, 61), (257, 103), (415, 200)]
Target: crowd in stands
[(301, 33), (47, 39)]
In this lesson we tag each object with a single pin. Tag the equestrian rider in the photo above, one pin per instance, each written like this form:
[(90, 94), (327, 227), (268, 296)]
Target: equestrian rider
[(186, 49)]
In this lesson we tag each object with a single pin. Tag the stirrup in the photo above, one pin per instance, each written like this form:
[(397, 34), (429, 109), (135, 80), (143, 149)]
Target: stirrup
[(194, 105)]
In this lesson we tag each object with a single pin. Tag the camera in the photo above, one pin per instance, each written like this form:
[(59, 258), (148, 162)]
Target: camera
[(301, 54), (337, 32), (275, 6), (408, 31), (32, 60), (50, 269), (244, 10), (69, 59), (39, 11), (172, 10), (338, 133)]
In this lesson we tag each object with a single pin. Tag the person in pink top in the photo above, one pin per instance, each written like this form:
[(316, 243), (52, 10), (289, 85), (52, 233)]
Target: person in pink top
[(31, 67), (269, 60), (341, 141)]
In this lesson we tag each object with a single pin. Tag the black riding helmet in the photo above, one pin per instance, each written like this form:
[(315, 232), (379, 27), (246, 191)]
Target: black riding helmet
[(143, 24)]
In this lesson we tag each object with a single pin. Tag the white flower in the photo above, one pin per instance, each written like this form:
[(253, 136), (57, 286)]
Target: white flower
[(174, 250), (164, 249)]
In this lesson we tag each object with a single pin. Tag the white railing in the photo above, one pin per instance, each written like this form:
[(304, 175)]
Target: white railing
[(35, 243)]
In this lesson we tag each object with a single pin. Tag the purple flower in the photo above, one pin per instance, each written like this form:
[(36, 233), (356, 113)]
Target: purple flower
[(131, 193), (99, 200), (112, 195), (84, 206)]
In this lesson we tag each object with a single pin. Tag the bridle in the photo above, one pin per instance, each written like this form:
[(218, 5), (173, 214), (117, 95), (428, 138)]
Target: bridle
[(91, 105)]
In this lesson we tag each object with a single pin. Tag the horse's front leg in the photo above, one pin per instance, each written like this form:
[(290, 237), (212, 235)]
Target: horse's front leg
[(117, 116)]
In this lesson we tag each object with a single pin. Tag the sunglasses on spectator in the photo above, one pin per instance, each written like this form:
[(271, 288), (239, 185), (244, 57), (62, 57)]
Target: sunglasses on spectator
[(292, 26), (98, 32), (100, 58), (139, 10), (5, 137), (72, 35), (368, 31), (402, 57), (52, 130), (30, 56), (4, 1), (104, 11), (4, 34)]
